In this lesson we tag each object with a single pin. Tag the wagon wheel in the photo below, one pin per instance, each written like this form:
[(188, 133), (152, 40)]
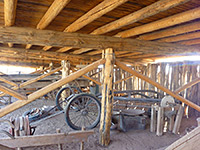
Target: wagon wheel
[(83, 110), (64, 95)]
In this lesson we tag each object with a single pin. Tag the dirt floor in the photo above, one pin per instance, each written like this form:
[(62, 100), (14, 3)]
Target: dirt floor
[(131, 140)]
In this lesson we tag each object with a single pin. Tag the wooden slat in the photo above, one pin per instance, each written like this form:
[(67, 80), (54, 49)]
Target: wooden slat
[(46, 139), (96, 12), (12, 93), (135, 73), (183, 37), (116, 82), (163, 23), (9, 14), (62, 39), (49, 88), (171, 31), (143, 13)]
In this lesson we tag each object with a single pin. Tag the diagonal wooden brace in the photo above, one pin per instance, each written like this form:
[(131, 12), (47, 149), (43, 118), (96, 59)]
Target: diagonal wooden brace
[(135, 73)]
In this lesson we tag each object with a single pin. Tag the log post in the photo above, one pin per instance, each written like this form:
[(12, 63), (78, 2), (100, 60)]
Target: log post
[(107, 99), (65, 73)]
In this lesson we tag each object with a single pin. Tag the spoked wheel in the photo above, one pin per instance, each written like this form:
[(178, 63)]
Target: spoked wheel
[(64, 95), (83, 110)]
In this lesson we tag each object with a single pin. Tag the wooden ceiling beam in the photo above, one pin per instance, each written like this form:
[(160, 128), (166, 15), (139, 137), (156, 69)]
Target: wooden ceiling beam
[(55, 8), (171, 31), (183, 37), (96, 12), (190, 42), (62, 39), (162, 23), (9, 14), (148, 11), (143, 13)]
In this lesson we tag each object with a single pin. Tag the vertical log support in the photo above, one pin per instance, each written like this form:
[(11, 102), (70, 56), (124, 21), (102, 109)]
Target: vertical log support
[(107, 98), (65, 73)]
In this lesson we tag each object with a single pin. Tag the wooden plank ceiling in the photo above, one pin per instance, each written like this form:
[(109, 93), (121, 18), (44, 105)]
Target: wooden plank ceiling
[(175, 24)]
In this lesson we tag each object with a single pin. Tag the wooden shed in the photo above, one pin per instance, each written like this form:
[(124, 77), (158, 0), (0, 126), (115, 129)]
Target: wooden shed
[(127, 37)]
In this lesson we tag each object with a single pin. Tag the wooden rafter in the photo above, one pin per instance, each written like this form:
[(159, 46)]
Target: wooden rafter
[(148, 11), (183, 37), (143, 13), (163, 23), (96, 12), (171, 31), (9, 14), (50, 14), (62, 39), (190, 42)]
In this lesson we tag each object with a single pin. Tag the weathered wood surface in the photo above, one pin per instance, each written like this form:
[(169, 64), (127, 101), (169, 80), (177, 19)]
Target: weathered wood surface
[(107, 99), (45, 37), (191, 104), (189, 141), (49, 88), (163, 23), (46, 139), (8, 81), (12, 93)]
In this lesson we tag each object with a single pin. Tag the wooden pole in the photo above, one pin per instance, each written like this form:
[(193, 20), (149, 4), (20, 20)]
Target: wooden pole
[(49, 88), (158, 85), (107, 99), (160, 120)]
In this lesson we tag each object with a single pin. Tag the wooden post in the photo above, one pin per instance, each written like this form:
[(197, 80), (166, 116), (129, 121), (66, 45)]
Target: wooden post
[(153, 119), (178, 120), (171, 122), (65, 73), (107, 99), (59, 145), (160, 120)]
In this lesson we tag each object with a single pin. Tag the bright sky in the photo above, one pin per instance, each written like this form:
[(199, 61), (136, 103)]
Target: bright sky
[(15, 69), (179, 59)]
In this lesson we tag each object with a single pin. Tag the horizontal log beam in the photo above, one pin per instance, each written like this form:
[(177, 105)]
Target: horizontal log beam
[(46, 139), (62, 39), (12, 93), (159, 86), (51, 87), (190, 42)]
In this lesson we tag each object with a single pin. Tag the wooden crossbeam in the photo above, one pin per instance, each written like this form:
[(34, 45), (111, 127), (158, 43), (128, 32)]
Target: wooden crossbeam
[(143, 13), (163, 23), (193, 82), (171, 31), (51, 87), (12, 93), (159, 86), (46, 139), (40, 71), (63, 39), (183, 37), (9, 14), (150, 10), (55, 8), (96, 12), (116, 82), (8, 81)]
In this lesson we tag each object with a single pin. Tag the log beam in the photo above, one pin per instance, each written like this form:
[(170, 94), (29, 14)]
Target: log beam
[(12, 93), (190, 42), (53, 38), (8, 81), (171, 31), (107, 99), (51, 87), (163, 23), (96, 12), (135, 73)]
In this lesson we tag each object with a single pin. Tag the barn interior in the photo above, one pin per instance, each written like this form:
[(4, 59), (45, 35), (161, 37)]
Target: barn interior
[(134, 64)]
